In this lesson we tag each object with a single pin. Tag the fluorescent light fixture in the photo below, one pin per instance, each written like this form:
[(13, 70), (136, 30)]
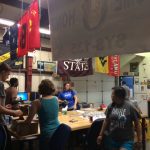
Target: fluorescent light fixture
[(45, 31), (6, 22), (10, 23)]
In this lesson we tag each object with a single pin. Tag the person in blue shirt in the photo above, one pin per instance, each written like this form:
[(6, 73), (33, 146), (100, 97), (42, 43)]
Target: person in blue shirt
[(69, 95)]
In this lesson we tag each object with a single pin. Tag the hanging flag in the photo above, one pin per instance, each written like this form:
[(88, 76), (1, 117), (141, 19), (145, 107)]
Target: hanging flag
[(10, 38), (114, 65), (101, 64), (75, 68), (13, 41), (28, 32), (34, 24), (23, 31)]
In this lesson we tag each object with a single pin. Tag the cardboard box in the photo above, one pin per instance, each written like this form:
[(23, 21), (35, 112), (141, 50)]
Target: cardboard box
[(23, 129)]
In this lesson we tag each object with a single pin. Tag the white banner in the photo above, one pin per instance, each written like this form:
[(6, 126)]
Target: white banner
[(89, 28)]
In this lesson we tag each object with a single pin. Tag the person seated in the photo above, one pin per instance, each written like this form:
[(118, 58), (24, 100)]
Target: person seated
[(68, 96), (11, 92)]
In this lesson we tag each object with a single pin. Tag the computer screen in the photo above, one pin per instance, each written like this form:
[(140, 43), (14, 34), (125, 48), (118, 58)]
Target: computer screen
[(23, 96), (34, 96)]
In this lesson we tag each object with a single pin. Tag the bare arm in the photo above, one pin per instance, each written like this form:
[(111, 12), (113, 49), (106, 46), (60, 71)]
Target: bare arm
[(60, 101), (33, 110), (6, 111), (138, 130), (75, 101), (104, 126)]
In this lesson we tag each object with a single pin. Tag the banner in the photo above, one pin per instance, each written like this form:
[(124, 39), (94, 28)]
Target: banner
[(91, 28), (101, 64), (34, 24), (114, 65), (23, 35), (76, 67), (28, 32)]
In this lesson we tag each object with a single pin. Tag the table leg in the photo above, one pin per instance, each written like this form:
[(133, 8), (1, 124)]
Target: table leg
[(143, 134)]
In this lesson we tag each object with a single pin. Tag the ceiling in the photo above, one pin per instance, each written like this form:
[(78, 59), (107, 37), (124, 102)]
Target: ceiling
[(12, 10)]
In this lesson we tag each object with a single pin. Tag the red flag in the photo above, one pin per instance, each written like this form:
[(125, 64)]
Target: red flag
[(28, 31), (114, 65), (34, 34), (23, 35)]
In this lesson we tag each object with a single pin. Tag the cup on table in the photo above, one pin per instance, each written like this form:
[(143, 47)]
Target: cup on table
[(64, 111)]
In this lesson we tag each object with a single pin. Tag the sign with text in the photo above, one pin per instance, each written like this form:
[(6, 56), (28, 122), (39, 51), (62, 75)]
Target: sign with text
[(76, 67), (89, 28)]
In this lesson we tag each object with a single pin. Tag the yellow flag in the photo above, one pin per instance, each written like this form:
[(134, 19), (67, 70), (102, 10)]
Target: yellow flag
[(101, 64), (4, 57)]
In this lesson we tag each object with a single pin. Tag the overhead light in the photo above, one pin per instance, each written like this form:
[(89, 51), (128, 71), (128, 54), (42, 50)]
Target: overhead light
[(6, 22), (10, 23), (143, 54)]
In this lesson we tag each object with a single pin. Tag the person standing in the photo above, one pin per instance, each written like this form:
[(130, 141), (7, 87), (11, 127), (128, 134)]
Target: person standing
[(4, 74), (118, 131), (47, 109)]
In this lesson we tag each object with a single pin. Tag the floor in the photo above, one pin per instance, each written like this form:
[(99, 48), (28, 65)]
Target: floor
[(148, 145)]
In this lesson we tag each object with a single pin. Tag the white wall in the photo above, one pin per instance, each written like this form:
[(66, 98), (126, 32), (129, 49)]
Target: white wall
[(36, 79), (90, 88), (21, 78)]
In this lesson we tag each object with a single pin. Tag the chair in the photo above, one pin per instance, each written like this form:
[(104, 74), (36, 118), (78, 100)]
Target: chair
[(60, 137), (93, 134), (3, 138)]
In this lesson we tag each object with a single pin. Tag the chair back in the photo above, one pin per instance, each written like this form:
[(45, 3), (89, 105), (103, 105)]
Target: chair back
[(60, 137), (3, 138), (93, 134)]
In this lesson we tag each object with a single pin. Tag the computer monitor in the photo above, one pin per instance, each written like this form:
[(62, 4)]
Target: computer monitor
[(23, 96), (34, 96)]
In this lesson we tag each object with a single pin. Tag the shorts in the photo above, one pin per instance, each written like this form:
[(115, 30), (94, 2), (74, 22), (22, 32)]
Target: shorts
[(110, 144)]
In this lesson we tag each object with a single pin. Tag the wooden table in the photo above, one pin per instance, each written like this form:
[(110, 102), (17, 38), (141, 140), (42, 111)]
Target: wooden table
[(75, 120)]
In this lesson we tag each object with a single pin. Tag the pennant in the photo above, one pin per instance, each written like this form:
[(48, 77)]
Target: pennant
[(34, 24), (114, 65), (101, 64), (75, 68)]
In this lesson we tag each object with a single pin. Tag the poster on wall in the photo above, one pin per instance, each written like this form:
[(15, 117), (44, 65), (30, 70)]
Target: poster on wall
[(98, 27), (47, 66)]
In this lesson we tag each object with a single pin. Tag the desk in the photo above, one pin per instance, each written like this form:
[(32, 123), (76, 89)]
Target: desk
[(84, 123), (78, 122)]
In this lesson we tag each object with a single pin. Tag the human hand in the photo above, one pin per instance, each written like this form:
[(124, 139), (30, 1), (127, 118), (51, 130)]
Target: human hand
[(8, 106), (99, 139), (18, 113), (138, 145), (75, 107)]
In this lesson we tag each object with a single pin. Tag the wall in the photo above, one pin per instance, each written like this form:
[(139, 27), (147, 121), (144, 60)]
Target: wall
[(142, 94), (94, 88)]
